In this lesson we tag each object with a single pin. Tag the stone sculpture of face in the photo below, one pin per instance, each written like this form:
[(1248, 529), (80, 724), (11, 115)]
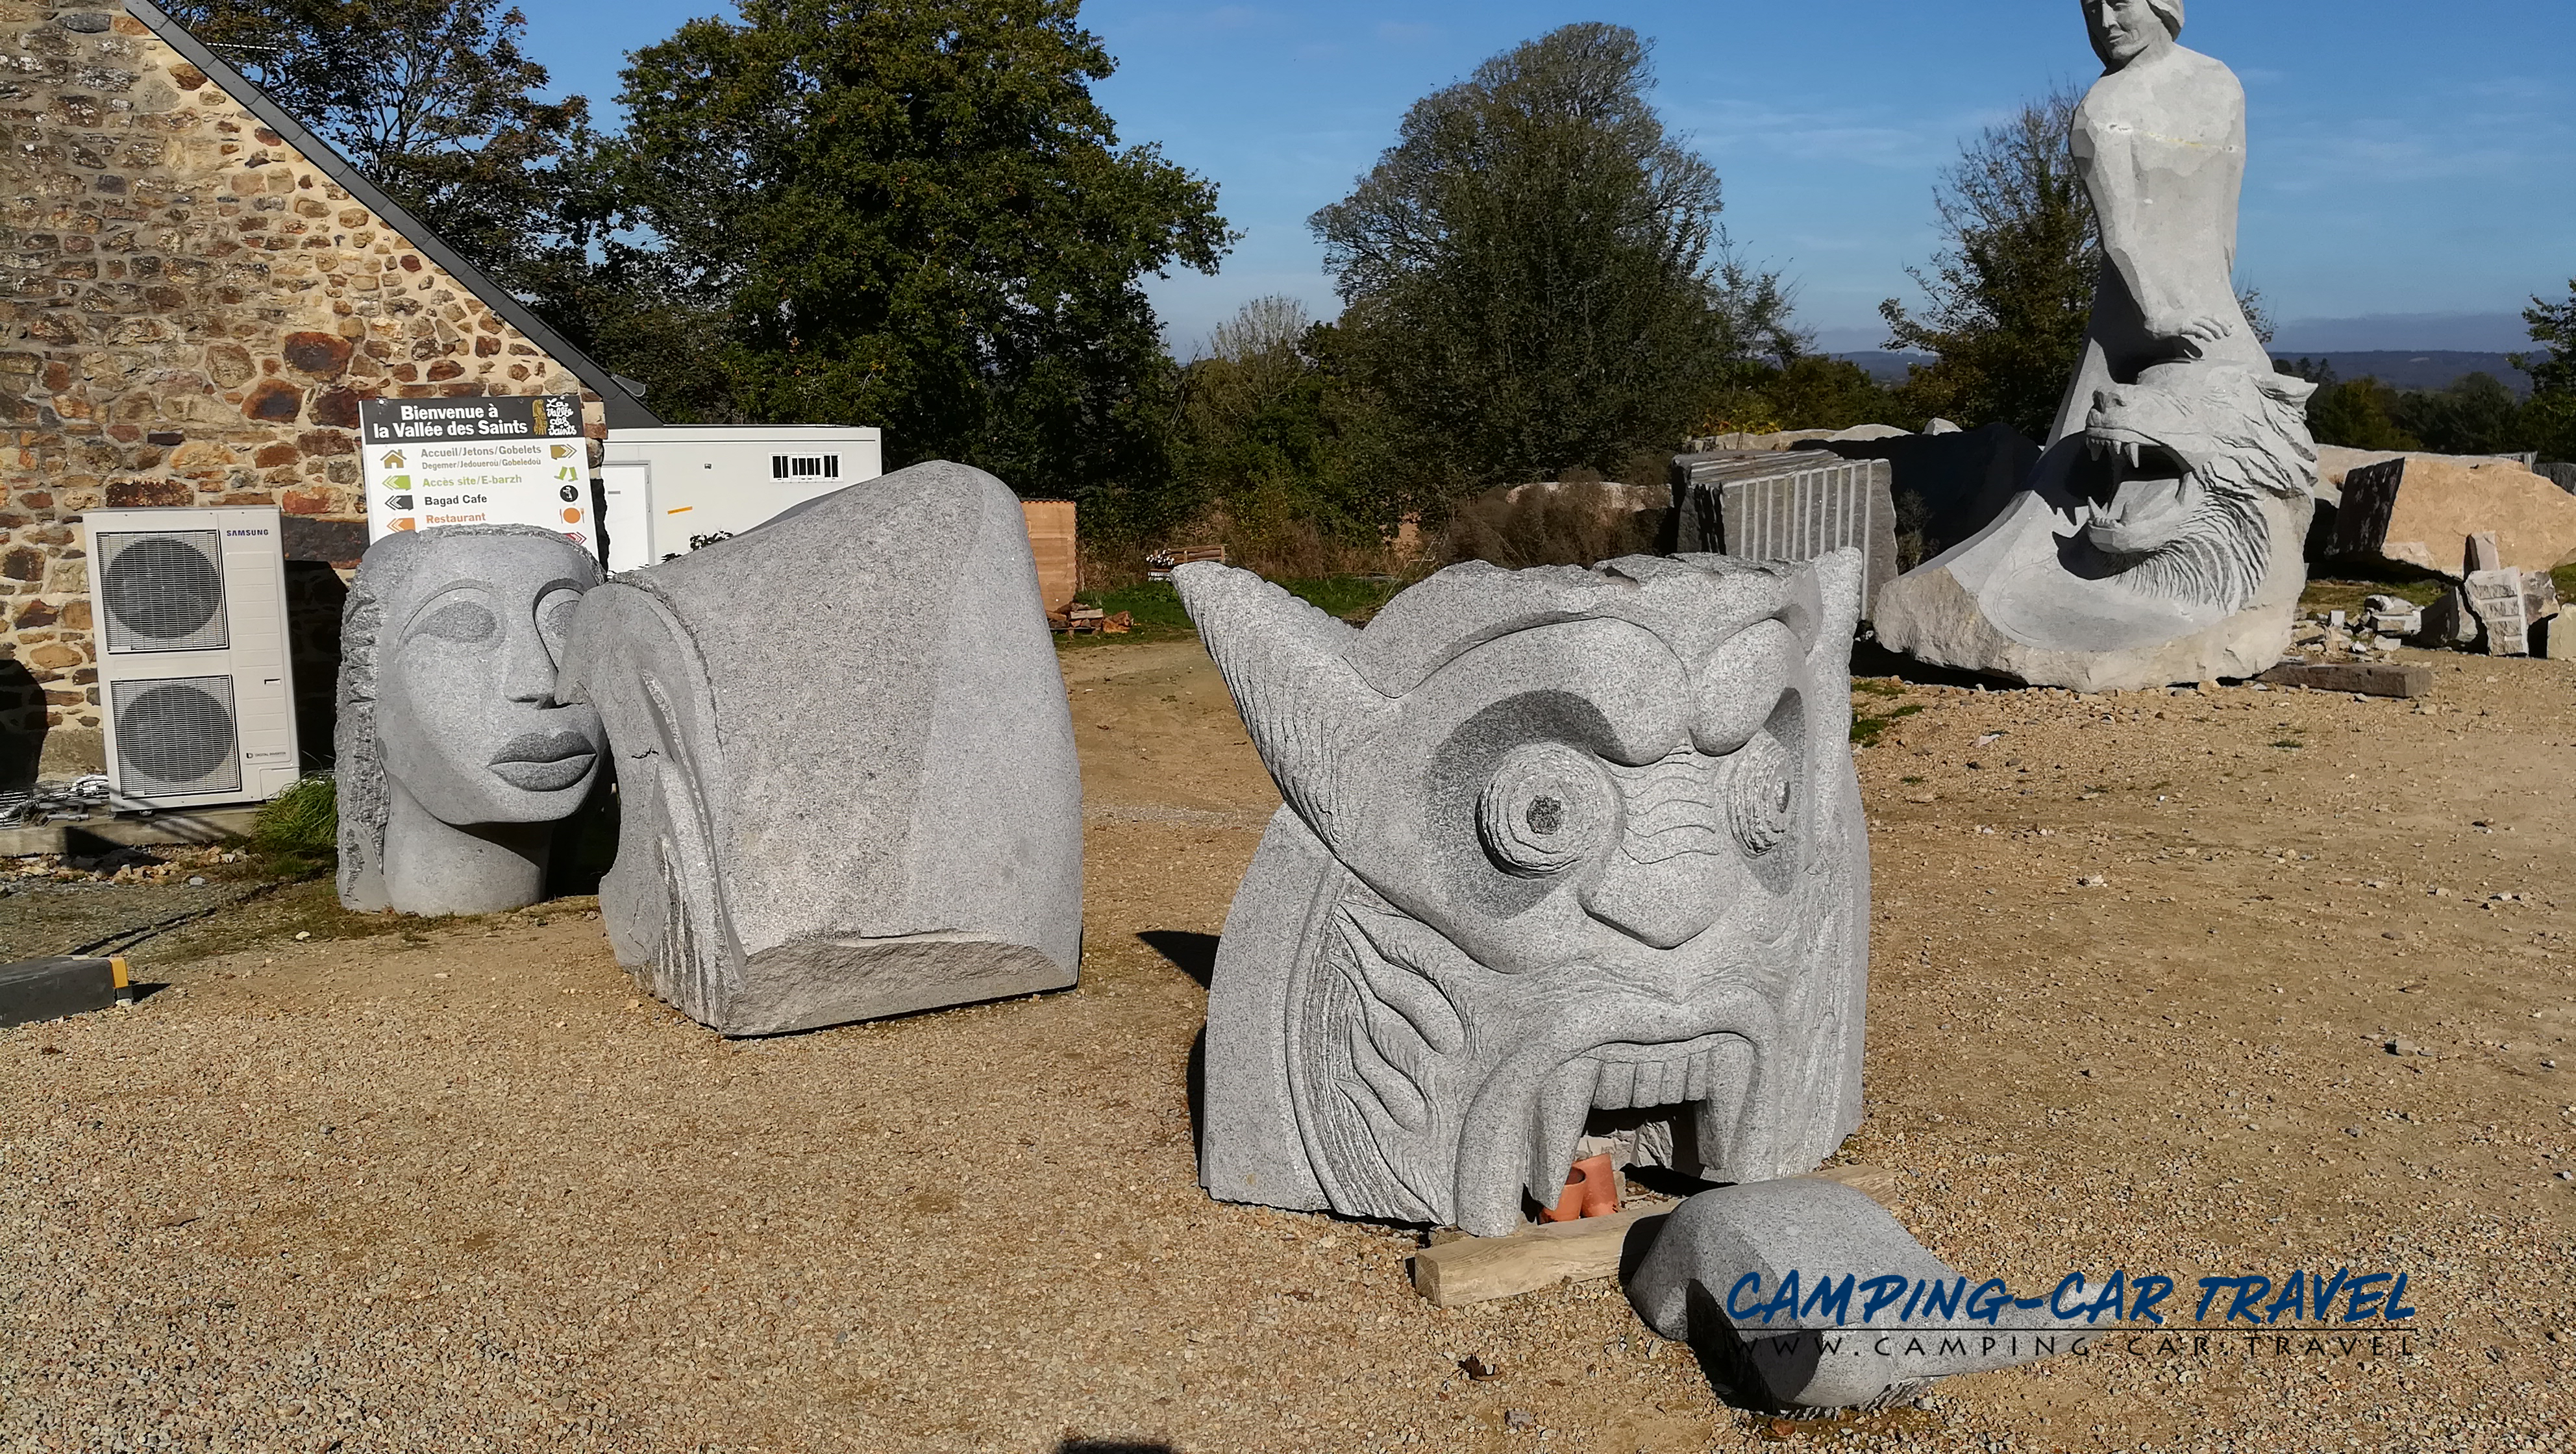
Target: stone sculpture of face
[(1588, 856), (2124, 30), (466, 708)]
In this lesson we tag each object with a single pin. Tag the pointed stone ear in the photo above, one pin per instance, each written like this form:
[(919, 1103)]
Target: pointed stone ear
[(1283, 660)]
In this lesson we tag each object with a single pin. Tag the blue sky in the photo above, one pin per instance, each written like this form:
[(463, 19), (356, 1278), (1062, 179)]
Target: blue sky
[(2414, 165)]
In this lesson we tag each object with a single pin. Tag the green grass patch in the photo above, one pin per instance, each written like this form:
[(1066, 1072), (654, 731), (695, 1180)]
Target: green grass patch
[(2347, 595), (1867, 726), (296, 834), (1878, 688)]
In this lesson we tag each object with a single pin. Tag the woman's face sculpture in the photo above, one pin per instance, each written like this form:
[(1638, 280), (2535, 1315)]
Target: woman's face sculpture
[(466, 708), (2124, 30)]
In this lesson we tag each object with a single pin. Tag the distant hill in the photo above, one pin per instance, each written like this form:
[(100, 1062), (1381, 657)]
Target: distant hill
[(2419, 368), (1887, 368), (2397, 368)]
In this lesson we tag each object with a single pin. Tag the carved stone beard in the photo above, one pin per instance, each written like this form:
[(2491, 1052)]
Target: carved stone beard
[(1625, 890)]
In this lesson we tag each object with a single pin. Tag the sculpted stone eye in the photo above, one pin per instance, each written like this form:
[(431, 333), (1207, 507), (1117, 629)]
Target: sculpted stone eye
[(459, 621), (1761, 792), (1548, 808)]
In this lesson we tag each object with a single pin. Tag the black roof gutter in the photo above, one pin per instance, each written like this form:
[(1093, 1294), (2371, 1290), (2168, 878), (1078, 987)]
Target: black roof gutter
[(623, 409)]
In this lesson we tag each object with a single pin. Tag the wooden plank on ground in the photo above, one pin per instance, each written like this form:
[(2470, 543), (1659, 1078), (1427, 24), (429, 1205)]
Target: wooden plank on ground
[(1478, 1269), (2371, 679)]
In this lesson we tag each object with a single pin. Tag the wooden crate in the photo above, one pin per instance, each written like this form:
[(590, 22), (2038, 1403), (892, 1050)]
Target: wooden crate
[(1055, 543)]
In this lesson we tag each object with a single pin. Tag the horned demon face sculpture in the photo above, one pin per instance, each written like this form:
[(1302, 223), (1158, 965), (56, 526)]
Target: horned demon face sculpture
[(1564, 852)]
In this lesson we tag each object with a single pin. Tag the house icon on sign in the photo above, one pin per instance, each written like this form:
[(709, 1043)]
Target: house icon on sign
[(393, 459)]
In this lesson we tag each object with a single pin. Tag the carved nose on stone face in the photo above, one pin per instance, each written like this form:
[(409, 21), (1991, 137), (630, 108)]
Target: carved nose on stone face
[(1658, 904), (529, 674)]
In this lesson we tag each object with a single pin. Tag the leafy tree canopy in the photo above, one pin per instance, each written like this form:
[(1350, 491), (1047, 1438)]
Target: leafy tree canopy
[(1535, 273), (2011, 290), (916, 215), (432, 99)]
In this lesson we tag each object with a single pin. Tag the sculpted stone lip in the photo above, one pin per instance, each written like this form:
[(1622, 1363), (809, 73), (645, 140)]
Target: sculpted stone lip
[(544, 761)]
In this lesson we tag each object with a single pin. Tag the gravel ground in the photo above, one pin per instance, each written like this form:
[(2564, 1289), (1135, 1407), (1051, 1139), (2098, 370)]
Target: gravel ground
[(454, 1185)]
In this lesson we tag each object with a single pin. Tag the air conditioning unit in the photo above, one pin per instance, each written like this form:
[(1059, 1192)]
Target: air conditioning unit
[(189, 608), (666, 491)]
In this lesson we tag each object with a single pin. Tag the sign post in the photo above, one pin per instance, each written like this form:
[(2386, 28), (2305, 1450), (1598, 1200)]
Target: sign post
[(485, 459)]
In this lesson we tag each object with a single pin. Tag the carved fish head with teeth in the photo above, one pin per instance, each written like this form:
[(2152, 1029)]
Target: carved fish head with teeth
[(1563, 851)]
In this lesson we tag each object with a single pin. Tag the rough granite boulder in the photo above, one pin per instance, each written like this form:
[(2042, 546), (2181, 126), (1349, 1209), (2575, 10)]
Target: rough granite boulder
[(845, 762), (1759, 1279), (2419, 510), (1564, 853)]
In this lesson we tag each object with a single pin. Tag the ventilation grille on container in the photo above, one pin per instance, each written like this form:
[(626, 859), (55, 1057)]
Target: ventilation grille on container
[(175, 736), (164, 590), (804, 466)]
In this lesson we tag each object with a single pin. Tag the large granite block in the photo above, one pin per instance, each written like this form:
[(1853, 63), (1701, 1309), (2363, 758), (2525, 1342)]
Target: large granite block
[(1788, 506), (2419, 510), (845, 762), (1948, 486), (1565, 852)]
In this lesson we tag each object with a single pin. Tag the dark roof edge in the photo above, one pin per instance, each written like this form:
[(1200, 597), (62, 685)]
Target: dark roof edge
[(623, 409)]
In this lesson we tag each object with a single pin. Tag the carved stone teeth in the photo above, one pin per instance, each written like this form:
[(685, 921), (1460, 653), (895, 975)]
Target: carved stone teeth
[(1556, 1123), (1617, 1090)]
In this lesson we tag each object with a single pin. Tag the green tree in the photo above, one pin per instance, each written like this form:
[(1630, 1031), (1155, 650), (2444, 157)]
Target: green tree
[(2474, 415), (2554, 326), (433, 100), (2011, 290), (1534, 272), (2357, 413), (2550, 414), (917, 215)]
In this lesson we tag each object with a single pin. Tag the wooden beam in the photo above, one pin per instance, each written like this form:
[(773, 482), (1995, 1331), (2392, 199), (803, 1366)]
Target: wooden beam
[(1477, 1269)]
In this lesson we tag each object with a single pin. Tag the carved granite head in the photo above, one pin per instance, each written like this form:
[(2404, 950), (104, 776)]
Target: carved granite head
[(2124, 30), (450, 733), (1564, 852)]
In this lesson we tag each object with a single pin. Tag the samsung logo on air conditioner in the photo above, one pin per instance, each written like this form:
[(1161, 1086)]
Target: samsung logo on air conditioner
[(245, 532), (804, 466)]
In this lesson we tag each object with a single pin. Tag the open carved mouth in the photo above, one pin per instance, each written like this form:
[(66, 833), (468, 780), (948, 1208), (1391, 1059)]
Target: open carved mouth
[(1706, 1075), (544, 762), (2152, 498)]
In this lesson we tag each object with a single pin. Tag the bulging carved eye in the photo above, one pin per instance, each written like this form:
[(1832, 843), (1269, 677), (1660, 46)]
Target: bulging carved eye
[(1548, 808), (1761, 792)]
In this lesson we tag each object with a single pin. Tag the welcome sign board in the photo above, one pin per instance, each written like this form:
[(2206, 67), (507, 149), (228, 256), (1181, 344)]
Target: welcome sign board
[(485, 459)]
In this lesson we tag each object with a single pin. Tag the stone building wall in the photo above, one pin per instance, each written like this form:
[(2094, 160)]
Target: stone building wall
[(190, 311)]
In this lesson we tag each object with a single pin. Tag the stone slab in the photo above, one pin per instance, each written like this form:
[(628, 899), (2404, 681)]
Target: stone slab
[(1794, 506), (1949, 486), (2371, 679), (845, 762), (34, 990), (101, 833)]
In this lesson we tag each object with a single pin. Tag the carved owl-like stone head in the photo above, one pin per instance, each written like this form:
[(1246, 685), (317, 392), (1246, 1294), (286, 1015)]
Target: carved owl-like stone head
[(1564, 852)]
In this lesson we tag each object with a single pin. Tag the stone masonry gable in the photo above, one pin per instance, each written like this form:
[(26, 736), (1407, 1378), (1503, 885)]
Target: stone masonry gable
[(190, 311)]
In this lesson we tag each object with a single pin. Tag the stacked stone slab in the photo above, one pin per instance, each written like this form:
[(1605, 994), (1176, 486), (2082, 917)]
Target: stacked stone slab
[(845, 764), (1788, 506)]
